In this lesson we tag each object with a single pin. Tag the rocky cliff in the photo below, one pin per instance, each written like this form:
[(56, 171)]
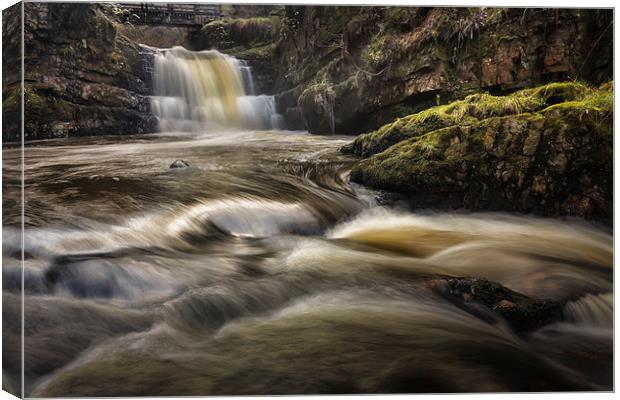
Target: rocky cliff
[(352, 69), (81, 76), (11, 71)]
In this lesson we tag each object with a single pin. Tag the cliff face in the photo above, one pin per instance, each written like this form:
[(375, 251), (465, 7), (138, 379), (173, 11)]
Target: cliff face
[(11, 71), (81, 76), (352, 69)]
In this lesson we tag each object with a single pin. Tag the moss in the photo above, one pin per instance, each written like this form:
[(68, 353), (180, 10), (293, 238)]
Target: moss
[(471, 109), (557, 92), (318, 86), (607, 87), (32, 98), (379, 50), (252, 53), (550, 159), (12, 100)]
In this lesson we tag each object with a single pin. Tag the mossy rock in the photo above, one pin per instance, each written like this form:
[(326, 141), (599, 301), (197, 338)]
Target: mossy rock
[(473, 108), (557, 160), (260, 53)]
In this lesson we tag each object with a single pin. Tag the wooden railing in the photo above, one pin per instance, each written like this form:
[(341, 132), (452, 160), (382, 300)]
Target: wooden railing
[(172, 13)]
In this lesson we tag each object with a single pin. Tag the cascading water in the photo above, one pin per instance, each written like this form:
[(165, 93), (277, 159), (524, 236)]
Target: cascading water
[(243, 272), (198, 91)]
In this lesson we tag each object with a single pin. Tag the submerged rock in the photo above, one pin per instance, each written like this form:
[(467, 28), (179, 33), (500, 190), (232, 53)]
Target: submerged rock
[(179, 164), (530, 152), (521, 312)]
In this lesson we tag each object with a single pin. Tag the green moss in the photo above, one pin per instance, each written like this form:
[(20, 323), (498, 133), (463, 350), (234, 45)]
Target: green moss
[(12, 100), (380, 49), (318, 86), (252, 53), (32, 98), (549, 158), (474, 108)]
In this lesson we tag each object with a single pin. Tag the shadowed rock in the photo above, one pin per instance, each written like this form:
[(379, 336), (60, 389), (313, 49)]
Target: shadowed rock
[(479, 296)]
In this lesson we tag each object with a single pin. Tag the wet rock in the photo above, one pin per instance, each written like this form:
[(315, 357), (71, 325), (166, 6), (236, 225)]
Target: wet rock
[(179, 164), (521, 312)]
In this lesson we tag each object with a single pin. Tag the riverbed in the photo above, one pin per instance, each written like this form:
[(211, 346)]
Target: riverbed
[(260, 269)]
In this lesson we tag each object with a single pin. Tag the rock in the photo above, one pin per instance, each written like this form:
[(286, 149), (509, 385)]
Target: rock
[(82, 76), (552, 160), (179, 164), (523, 313)]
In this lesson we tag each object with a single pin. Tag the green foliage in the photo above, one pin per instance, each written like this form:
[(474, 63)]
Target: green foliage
[(318, 87), (32, 98)]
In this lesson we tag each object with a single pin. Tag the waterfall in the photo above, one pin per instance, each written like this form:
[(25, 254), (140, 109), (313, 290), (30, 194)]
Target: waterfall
[(198, 91)]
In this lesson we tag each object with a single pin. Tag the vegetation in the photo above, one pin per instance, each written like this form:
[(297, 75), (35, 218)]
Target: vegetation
[(231, 32), (547, 149)]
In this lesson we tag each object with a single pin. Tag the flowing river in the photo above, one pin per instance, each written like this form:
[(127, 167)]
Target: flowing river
[(260, 269)]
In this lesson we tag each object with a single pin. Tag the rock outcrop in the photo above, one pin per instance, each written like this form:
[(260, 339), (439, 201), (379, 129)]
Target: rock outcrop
[(81, 76), (547, 150)]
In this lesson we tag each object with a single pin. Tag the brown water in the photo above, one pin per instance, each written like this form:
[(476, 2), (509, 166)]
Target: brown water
[(261, 270)]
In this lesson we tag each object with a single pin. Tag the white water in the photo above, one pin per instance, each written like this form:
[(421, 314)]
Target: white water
[(205, 90)]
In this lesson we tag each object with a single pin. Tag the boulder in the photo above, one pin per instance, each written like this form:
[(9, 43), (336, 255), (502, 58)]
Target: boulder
[(553, 160)]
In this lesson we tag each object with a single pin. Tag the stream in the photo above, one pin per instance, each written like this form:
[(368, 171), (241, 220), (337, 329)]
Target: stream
[(260, 269)]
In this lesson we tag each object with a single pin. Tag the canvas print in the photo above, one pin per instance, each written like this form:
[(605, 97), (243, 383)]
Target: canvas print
[(205, 199)]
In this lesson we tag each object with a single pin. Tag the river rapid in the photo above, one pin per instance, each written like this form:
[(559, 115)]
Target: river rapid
[(260, 269)]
